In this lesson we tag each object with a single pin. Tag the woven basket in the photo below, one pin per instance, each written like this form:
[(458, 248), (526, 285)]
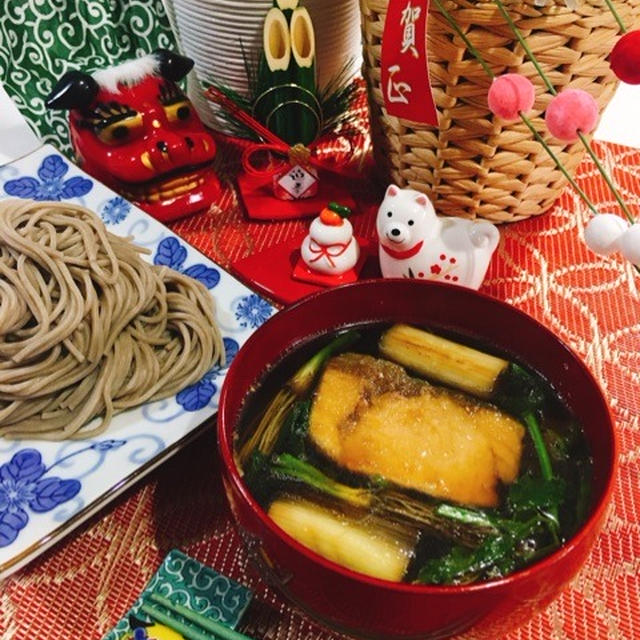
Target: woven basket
[(473, 165)]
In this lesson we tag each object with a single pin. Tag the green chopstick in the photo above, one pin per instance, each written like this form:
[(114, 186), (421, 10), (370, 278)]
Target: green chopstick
[(217, 628), (188, 632)]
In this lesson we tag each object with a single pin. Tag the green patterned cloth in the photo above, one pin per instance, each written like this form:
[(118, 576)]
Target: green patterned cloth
[(42, 39), (187, 582)]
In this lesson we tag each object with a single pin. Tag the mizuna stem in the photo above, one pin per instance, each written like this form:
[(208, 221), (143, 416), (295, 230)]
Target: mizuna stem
[(538, 443)]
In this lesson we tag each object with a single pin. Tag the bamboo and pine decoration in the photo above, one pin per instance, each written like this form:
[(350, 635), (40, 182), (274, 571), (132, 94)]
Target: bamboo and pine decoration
[(286, 6), (303, 49), (273, 70), (283, 96), (473, 165), (286, 84)]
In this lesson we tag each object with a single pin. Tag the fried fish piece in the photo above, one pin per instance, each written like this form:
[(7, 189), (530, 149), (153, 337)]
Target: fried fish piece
[(369, 416)]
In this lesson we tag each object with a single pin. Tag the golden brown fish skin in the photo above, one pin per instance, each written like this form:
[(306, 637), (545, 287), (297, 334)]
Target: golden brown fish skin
[(370, 417)]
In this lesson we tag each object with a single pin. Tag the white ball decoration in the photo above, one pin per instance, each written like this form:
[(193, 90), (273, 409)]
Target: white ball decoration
[(629, 244), (603, 233)]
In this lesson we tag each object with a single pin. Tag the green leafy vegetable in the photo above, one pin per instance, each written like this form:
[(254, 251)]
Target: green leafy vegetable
[(500, 554), (533, 426), (532, 503), (531, 494), (495, 555), (293, 436), (258, 477), (518, 391), (558, 446), (523, 394)]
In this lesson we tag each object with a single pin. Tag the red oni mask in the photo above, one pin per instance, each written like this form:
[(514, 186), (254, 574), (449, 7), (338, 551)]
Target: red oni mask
[(133, 129)]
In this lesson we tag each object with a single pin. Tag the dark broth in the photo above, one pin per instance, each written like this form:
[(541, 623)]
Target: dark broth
[(535, 515)]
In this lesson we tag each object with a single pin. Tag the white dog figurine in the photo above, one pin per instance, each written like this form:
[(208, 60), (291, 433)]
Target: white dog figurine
[(416, 243)]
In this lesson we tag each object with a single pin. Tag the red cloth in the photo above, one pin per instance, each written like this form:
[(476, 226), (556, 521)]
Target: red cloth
[(84, 584)]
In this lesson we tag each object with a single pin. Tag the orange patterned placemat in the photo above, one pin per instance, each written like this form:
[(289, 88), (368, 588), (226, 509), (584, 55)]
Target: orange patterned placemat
[(82, 586)]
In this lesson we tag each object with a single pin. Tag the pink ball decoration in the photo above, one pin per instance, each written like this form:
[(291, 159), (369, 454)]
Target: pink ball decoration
[(570, 112), (509, 95), (625, 58)]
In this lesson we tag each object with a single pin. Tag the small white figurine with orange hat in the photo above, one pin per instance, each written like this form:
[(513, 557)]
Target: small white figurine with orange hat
[(330, 253)]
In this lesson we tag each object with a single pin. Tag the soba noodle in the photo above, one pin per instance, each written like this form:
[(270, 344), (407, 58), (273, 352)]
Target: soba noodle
[(88, 328)]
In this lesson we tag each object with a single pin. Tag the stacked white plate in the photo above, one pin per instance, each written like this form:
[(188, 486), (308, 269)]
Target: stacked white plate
[(221, 35)]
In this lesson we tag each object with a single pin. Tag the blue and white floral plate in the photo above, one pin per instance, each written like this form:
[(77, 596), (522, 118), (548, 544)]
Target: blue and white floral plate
[(49, 488)]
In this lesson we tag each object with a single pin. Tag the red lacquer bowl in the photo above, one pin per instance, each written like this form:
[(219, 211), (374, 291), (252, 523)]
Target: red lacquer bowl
[(370, 608)]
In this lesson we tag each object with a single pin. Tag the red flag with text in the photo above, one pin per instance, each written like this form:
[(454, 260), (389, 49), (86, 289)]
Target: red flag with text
[(405, 75)]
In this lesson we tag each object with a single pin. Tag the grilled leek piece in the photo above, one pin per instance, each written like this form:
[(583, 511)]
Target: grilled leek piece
[(443, 360), (364, 544)]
